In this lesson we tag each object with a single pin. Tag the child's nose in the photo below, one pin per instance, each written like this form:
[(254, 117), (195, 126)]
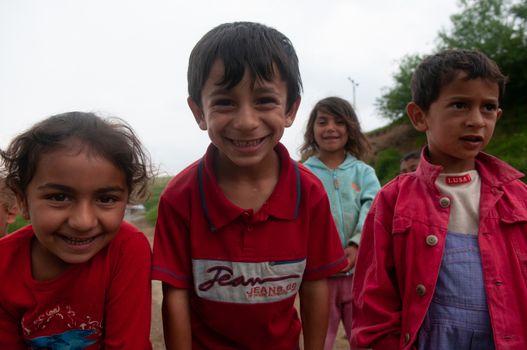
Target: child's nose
[(331, 125), (83, 217), (475, 118), (246, 118)]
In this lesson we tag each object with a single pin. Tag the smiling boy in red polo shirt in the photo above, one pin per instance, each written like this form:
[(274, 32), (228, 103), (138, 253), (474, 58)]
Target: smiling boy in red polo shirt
[(244, 229)]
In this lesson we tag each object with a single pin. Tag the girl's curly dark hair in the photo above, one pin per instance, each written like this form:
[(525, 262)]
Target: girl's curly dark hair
[(111, 138)]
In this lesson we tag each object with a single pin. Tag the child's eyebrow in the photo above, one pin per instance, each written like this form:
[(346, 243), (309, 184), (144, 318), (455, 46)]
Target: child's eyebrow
[(219, 90), (65, 188), (266, 89), (111, 189), (55, 187)]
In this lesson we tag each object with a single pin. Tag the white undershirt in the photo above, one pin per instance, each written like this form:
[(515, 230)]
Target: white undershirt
[(464, 192)]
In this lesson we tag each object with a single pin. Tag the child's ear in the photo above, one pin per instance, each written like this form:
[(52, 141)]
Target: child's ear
[(417, 116), (198, 114), (500, 112), (291, 113), (11, 214)]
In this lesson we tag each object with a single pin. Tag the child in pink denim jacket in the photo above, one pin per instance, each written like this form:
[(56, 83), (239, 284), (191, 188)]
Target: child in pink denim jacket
[(443, 255)]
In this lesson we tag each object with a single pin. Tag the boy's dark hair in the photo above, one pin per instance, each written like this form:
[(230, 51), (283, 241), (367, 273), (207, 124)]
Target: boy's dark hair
[(438, 70), (239, 45), (411, 155), (110, 138), (358, 145)]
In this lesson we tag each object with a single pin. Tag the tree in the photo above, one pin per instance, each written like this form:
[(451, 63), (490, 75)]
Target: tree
[(392, 104), (497, 28)]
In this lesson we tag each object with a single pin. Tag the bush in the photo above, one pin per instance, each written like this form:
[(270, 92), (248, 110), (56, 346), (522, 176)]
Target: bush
[(151, 204), (387, 164), (511, 148)]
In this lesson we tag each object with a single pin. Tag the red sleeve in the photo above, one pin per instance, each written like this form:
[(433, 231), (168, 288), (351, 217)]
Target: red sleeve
[(12, 264), (325, 255), (171, 261), (129, 299), (376, 301), (10, 332)]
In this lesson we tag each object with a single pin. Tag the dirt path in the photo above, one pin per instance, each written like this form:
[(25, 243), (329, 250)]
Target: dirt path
[(156, 334)]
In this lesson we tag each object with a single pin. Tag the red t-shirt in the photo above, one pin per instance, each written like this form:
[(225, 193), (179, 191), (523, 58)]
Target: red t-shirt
[(244, 268), (104, 303)]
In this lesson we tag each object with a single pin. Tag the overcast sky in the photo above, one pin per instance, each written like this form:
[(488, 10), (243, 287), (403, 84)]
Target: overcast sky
[(128, 58)]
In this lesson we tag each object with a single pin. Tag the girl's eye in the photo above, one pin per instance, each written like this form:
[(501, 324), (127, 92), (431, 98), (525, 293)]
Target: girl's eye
[(107, 199)]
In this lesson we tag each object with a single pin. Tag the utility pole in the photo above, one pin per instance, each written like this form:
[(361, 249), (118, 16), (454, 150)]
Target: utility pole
[(354, 84)]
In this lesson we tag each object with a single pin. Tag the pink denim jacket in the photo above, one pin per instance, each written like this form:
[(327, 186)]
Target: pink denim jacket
[(402, 246)]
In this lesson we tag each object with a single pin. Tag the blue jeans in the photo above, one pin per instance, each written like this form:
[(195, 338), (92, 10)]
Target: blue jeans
[(458, 316)]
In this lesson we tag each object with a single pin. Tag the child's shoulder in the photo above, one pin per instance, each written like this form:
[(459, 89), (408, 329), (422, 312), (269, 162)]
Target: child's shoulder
[(401, 185), (17, 238), (184, 180), (306, 174), (130, 239), (309, 182), (14, 252)]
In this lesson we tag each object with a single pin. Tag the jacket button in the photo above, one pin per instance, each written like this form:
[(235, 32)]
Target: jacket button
[(444, 202), (406, 338), (421, 290), (432, 240)]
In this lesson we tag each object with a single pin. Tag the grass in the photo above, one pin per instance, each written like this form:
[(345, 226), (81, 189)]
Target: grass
[(151, 204)]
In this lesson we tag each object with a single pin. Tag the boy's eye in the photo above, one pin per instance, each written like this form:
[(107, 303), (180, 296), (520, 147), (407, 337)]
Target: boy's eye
[(58, 197), (490, 107), (459, 105), (266, 100), (223, 102)]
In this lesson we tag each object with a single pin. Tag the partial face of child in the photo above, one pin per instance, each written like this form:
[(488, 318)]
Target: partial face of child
[(460, 123), (247, 121), (331, 133), (7, 217), (76, 202), (409, 165)]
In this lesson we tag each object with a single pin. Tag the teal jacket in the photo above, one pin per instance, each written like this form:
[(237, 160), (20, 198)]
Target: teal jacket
[(351, 188)]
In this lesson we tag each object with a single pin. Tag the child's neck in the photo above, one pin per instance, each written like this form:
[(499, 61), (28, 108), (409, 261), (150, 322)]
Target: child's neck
[(332, 159), (248, 187), (44, 264)]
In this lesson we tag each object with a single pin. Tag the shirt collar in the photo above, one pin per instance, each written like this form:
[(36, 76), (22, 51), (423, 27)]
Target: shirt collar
[(283, 203), (492, 170)]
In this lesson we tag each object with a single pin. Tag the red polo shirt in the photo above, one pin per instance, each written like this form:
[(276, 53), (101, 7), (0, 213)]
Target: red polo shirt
[(244, 267)]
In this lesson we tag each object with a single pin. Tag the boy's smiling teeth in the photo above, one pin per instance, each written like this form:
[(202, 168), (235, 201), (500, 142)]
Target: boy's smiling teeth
[(247, 143)]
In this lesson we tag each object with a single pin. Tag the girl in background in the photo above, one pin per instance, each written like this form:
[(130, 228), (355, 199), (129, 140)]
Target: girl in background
[(8, 207), (333, 148), (78, 276)]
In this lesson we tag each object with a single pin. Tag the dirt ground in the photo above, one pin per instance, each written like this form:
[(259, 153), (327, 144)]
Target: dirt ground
[(156, 334)]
